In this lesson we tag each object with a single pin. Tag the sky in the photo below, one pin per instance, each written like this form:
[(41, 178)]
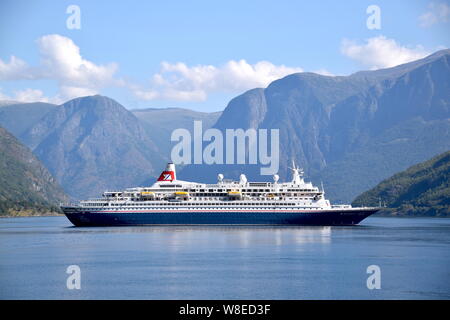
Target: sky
[(200, 54)]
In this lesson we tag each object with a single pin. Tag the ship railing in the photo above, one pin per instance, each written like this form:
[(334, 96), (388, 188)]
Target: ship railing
[(69, 204), (341, 206)]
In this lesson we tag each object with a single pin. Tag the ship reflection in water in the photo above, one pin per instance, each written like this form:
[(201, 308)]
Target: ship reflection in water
[(243, 236)]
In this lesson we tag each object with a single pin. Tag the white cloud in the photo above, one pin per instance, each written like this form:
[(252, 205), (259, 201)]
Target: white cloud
[(193, 83), (15, 69), (27, 95), (4, 96), (60, 60), (30, 95), (437, 12), (325, 72), (381, 52), (73, 92)]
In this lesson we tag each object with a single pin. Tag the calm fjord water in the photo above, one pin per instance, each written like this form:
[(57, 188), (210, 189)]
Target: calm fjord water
[(225, 262)]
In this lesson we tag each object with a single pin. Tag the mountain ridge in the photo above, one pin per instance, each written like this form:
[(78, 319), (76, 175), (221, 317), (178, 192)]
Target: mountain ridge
[(92, 144), (26, 186), (333, 125), (422, 189), (348, 131)]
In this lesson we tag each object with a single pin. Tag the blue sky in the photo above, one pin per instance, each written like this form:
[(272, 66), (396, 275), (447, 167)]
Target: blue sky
[(200, 54)]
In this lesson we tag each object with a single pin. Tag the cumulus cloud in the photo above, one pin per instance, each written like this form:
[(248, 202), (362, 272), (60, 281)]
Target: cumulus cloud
[(15, 69), (324, 72), (179, 81), (60, 60), (437, 12), (381, 52), (27, 95), (30, 95)]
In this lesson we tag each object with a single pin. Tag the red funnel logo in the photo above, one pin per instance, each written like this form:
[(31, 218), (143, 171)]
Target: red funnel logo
[(166, 176)]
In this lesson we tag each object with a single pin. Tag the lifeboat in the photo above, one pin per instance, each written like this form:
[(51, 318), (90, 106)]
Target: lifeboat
[(147, 194), (181, 195), (234, 195)]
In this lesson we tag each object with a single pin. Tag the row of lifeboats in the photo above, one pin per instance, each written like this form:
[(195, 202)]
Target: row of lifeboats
[(183, 195)]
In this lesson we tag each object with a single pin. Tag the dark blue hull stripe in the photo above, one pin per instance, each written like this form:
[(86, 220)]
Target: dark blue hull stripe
[(256, 217)]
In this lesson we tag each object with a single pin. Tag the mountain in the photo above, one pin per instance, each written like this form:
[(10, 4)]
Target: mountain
[(7, 102), (91, 144), (26, 186), (350, 132), (423, 189), (161, 122), (18, 117)]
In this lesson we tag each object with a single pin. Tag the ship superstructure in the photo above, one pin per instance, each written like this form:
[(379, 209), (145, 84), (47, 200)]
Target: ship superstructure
[(173, 201)]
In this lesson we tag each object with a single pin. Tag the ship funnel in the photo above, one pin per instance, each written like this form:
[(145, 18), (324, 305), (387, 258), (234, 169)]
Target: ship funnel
[(169, 174)]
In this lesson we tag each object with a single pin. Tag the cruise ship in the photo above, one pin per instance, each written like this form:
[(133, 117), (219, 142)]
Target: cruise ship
[(170, 201)]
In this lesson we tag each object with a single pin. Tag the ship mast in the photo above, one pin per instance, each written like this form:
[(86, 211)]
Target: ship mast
[(296, 174)]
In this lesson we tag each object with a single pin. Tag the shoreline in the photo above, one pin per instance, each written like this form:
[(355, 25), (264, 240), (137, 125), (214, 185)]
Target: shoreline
[(33, 215)]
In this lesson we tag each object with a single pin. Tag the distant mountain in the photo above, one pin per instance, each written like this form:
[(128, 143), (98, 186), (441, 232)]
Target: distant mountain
[(161, 122), (350, 132), (19, 117), (423, 189), (91, 144), (26, 186), (7, 102)]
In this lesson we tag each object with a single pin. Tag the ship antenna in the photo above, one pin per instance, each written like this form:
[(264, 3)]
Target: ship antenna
[(321, 183), (293, 165)]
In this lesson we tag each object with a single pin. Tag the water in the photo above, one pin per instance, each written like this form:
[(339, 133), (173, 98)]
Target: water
[(225, 262)]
